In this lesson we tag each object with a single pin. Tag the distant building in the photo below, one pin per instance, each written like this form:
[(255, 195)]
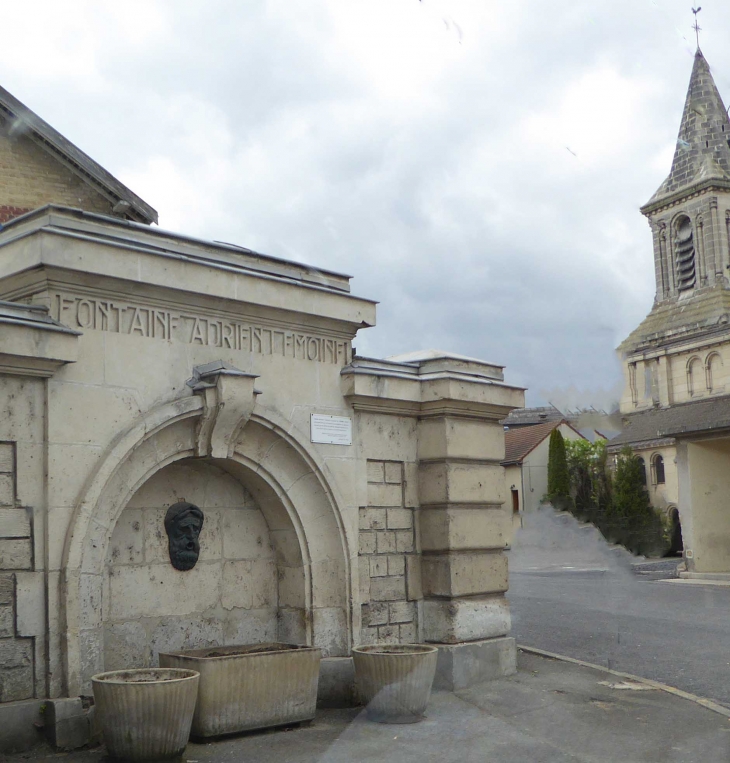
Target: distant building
[(677, 361), (526, 464), (529, 417)]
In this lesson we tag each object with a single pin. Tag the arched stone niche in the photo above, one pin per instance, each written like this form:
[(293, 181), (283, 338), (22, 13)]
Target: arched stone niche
[(247, 586), (299, 575)]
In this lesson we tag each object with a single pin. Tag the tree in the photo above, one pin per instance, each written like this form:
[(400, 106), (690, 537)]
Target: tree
[(589, 480), (630, 499), (634, 521), (558, 491)]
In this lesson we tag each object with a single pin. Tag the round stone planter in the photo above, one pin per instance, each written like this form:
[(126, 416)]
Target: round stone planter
[(394, 680), (145, 714)]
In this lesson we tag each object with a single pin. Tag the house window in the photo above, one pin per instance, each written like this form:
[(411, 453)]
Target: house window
[(643, 470), (658, 469), (684, 253)]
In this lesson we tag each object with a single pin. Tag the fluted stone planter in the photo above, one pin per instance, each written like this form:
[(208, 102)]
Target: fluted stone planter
[(250, 687), (394, 680), (145, 714)]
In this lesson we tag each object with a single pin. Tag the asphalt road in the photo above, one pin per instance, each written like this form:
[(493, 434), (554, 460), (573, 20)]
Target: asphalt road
[(671, 632)]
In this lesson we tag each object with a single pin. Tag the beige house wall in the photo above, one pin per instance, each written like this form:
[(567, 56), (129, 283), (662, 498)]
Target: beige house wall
[(513, 481), (30, 178), (704, 504), (532, 480)]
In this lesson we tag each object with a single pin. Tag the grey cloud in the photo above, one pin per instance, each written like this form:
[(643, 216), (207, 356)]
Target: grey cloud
[(472, 238)]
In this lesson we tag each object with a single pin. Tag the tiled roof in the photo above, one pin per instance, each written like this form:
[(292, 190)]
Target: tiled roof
[(674, 421), (521, 417), (704, 312), (702, 151), (523, 440)]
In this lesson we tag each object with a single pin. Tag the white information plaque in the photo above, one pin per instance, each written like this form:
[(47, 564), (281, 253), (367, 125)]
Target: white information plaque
[(333, 430)]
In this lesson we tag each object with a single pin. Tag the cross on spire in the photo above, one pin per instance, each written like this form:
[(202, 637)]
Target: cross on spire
[(696, 26)]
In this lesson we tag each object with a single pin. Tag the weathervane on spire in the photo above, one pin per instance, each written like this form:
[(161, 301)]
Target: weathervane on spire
[(697, 27)]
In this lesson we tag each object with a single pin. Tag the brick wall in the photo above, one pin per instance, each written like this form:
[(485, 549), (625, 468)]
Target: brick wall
[(8, 212), (17, 668), (389, 566), (30, 177)]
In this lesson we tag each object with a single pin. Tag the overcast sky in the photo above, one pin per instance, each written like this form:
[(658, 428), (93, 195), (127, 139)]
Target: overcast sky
[(477, 166)]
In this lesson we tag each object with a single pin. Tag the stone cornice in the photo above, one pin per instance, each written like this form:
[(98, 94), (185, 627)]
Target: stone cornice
[(657, 442), (699, 339), (401, 389), (461, 460), (368, 404), (416, 409), (32, 343), (18, 365), (91, 246), (677, 197)]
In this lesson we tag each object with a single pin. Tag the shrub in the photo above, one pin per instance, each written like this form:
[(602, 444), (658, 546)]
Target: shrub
[(617, 504), (631, 517), (590, 481)]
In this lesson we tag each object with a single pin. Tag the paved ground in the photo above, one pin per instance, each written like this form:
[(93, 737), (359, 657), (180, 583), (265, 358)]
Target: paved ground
[(571, 595), (550, 712)]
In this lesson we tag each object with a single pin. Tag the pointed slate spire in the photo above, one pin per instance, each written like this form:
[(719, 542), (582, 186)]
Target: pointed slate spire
[(703, 144)]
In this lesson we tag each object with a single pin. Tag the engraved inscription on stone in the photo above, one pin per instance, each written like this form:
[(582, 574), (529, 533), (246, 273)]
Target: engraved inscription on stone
[(333, 430), (154, 323)]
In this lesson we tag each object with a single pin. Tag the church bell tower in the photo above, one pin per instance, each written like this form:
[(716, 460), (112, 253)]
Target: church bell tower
[(690, 220)]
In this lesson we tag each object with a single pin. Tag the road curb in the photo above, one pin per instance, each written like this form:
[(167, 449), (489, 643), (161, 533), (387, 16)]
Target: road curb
[(707, 703)]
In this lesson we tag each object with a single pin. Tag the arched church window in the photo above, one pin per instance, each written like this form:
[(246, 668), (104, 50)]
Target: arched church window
[(642, 464), (684, 252), (694, 377), (657, 465), (713, 372)]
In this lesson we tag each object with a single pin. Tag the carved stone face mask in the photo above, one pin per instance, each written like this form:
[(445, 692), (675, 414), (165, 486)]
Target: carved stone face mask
[(183, 523)]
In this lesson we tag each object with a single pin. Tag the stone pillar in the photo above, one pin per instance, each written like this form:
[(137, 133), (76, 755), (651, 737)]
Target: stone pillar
[(463, 533), (661, 274), (714, 261), (449, 407)]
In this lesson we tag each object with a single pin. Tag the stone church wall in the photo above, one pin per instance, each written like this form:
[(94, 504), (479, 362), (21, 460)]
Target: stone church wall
[(700, 373)]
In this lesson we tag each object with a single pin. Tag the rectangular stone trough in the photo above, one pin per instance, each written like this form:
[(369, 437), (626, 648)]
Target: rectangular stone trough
[(251, 686)]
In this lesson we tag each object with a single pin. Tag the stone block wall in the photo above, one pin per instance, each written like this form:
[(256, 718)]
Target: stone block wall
[(8, 212), (233, 594), (17, 653), (388, 563)]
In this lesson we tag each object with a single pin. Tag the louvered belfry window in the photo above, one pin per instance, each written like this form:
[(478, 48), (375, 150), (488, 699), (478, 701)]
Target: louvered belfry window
[(685, 254)]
